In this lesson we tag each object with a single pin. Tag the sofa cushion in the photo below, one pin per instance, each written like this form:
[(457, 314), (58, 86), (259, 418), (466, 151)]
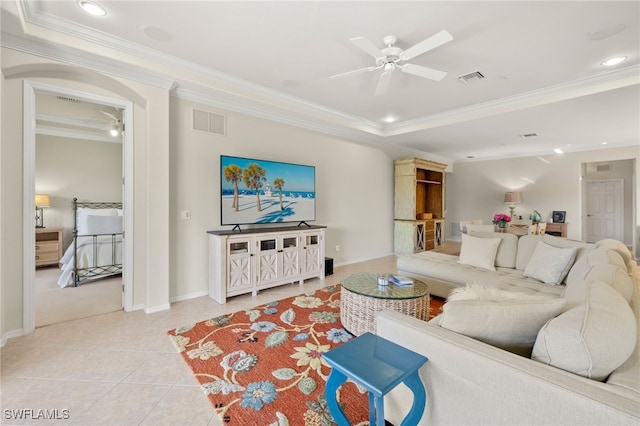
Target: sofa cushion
[(479, 252), (591, 339), (603, 264), (582, 248), (618, 246), (498, 318), (433, 266), (550, 264), (506, 255), (526, 246)]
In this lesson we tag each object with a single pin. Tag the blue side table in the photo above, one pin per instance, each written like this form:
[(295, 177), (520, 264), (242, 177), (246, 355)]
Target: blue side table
[(377, 365)]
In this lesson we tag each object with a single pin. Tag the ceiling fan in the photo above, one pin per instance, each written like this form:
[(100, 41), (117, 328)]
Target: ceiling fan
[(391, 58)]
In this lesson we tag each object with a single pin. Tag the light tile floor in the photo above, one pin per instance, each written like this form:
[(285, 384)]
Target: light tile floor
[(121, 368)]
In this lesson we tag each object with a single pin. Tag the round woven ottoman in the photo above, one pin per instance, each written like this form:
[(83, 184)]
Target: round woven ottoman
[(361, 297)]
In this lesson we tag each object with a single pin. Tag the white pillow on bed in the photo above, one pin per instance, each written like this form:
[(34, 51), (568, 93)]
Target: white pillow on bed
[(104, 224), (84, 213)]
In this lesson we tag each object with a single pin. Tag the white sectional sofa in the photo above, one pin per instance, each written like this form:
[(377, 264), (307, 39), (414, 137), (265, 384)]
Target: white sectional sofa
[(581, 363)]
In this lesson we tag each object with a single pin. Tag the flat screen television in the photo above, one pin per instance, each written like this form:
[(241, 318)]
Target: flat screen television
[(261, 192)]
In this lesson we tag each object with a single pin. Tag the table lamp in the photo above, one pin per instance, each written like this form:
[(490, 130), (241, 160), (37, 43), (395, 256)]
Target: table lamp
[(42, 200), (512, 198)]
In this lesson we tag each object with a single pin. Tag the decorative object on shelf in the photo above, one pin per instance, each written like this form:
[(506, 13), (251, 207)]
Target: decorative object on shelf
[(558, 216), (535, 216), (501, 220), (511, 199), (42, 201)]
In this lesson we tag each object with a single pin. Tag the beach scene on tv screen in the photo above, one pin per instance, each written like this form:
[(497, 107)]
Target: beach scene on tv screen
[(260, 191)]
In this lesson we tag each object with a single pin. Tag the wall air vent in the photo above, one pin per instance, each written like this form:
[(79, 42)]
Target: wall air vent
[(602, 168), (471, 77), (209, 122)]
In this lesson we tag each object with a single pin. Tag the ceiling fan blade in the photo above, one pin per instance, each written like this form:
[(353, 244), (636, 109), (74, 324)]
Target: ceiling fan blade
[(421, 71), (111, 116), (383, 82), (358, 71), (368, 47), (425, 45)]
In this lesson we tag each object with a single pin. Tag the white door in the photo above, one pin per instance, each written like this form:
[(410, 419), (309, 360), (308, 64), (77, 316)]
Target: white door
[(605, 210)]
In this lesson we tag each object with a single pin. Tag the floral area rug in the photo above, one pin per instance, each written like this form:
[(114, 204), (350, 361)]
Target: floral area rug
[(264, 366)]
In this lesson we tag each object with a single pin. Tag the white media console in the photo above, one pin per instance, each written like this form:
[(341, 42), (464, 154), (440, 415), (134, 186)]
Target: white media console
[(247, 261)]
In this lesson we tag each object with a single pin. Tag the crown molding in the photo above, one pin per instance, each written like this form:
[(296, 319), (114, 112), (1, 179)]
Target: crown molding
[(191, 81), (573, 89), (218, 80), (287, 118)]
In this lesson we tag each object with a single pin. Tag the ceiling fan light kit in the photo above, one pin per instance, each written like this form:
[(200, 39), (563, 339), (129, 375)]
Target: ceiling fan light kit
[(392, 57)]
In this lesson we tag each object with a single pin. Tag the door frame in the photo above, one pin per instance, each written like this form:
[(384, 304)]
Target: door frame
[(30, 89)]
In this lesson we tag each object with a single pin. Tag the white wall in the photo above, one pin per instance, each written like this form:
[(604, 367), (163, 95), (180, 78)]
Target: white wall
[(476, 189), (73, 168), (354, 188)]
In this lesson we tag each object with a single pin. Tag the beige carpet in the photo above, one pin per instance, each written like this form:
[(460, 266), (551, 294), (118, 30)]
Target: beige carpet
[(55, 304)]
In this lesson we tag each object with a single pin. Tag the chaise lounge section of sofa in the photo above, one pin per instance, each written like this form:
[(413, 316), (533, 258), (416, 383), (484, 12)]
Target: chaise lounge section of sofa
[(584, 367)]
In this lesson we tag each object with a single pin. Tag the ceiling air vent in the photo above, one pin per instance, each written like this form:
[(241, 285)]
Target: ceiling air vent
[(528, 135), (471, 77), (209, 122), (601, 168)]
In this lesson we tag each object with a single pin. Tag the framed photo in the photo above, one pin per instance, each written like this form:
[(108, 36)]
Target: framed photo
[(558, 216)]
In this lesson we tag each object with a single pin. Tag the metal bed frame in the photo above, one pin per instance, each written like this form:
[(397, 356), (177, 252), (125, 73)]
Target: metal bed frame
[(95, 271)]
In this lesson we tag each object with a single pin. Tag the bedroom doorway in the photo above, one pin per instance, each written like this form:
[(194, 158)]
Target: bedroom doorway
[(40, 121)]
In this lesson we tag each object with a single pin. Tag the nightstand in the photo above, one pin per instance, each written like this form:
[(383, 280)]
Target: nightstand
[(48, 246)]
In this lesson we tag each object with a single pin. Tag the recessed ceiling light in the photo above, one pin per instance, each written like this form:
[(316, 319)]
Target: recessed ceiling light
[(92, 8), (613, 61), (604, 143), (389, 119), (558, 151)]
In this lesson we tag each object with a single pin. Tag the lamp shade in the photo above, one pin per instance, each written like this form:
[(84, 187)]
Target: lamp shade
[(512, 198), (42, 200)]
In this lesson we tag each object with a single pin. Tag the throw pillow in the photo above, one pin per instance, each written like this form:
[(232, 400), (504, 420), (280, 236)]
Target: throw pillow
[(479, 252), (591, 339), (550, 264), (508, 323), (84, 213)]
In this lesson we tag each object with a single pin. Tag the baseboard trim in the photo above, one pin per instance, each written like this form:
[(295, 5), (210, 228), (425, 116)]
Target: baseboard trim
[(158, 308), (9, 335), (335, 265), (189, 296)]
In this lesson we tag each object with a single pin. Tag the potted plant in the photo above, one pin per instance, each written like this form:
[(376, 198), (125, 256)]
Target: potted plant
[(501, 220)]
